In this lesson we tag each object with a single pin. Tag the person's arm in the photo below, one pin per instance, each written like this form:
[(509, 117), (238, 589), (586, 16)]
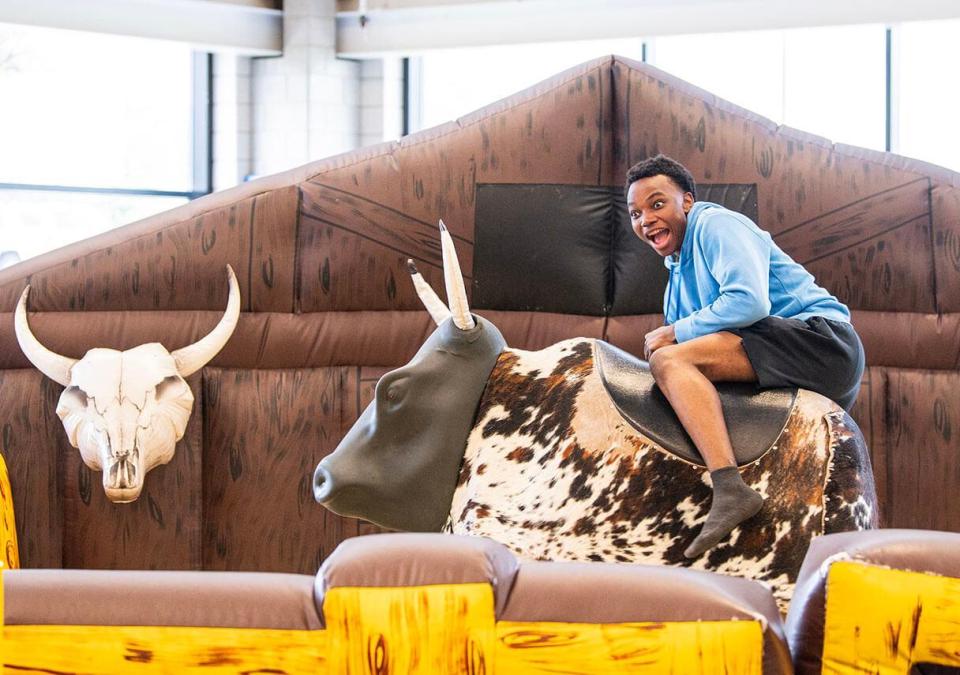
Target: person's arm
[(740, 262)]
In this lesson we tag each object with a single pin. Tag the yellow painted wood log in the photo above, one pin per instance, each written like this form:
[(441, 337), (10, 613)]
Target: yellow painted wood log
[(445, 628), (727, 647), (159, 649), (9, 554), (883, 621)]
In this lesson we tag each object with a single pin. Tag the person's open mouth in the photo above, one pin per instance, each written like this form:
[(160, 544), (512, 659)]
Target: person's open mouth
[(658, 236)]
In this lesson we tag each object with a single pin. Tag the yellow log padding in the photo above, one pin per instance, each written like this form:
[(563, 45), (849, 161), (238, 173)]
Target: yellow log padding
[(445, 628), (432, 630), (729, 647), (882, 621), (9, 555), (162, 649)]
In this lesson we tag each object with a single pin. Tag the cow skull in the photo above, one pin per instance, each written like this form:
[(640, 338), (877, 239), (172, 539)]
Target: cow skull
[(125, 410)]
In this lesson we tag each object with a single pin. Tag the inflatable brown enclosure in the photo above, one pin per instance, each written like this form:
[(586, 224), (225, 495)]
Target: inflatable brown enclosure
[(531, 188)]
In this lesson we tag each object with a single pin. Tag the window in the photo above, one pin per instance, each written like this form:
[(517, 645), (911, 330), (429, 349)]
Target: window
[(927, 98), (743, 68), (830, 81), (827, 81), (95, 131), (452, 83), (835, 83)]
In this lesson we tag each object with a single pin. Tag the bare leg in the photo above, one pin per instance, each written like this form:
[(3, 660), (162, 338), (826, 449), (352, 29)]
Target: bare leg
[(685, 374)]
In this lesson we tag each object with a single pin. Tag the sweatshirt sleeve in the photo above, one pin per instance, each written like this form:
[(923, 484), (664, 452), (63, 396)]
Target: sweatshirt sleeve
[(739, 260)]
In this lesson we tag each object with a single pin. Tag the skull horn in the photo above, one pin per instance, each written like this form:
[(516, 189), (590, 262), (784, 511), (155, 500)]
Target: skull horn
[(193, 357), (428, 296), (456, 292), (51, 364)]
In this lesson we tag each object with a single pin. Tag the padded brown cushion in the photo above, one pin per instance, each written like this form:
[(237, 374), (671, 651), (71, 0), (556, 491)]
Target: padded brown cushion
[(407, 559), (913, 550), (128, 598), (619, 593)]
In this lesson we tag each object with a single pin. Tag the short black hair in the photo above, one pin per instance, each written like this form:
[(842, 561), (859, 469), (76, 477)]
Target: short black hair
[(662, 165)]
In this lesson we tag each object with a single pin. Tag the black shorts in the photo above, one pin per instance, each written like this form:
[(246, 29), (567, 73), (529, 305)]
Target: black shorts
[(819, 354)]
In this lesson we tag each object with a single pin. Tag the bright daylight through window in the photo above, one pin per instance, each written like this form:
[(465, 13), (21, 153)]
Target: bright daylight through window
[(95, 131)]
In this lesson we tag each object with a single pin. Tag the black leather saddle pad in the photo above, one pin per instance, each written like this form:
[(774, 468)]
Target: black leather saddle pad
[(754, 418)]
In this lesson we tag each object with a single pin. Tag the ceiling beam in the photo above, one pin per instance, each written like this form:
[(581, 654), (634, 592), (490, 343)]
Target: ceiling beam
[(411, 26), (205, 24)]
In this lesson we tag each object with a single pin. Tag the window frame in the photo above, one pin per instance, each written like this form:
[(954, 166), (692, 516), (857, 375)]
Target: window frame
[(202, 147)]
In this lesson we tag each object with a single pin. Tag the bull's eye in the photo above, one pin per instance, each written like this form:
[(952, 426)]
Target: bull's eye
[(395, 392), (391, 389)]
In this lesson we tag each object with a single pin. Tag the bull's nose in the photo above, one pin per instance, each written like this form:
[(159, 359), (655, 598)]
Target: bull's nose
[(322, 484)]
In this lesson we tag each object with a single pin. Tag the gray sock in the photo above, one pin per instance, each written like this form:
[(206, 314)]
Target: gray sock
[(733, 502)]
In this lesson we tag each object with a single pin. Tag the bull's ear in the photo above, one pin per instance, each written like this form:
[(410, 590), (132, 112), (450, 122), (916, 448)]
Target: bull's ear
[(429, 298), (456, 291)]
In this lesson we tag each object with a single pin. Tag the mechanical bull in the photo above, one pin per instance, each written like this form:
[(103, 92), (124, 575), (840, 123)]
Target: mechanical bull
[(572, 453), (125, 410)]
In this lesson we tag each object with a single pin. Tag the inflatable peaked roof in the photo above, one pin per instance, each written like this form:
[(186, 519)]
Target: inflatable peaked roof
[(531, 187)]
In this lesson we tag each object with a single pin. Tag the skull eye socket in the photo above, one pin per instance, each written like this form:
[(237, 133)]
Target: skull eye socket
[(169, 387), (74, 396)]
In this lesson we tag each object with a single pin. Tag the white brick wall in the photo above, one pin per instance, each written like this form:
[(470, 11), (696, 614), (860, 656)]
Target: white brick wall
[(306, 102), (232, 123), (381, 100)]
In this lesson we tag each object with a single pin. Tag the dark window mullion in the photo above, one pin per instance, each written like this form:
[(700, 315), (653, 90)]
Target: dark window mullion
[(33, 187)]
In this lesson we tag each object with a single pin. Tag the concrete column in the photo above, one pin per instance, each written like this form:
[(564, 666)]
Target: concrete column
[(232, 112), (381, 100), (306, 103)]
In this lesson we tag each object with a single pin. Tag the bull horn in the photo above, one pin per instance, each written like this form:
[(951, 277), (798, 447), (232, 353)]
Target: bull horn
[(193, 357), (456, 291), (429, 298), (51, 364)]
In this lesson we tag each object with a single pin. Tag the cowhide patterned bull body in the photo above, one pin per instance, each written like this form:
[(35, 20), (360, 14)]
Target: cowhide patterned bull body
[(554, 469), (571, 453)]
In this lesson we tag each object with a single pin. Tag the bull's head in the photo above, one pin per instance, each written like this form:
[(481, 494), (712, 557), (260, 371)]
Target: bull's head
[(398, 465), (126, 410)]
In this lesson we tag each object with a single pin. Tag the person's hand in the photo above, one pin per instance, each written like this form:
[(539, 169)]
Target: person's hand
[(655, 339)]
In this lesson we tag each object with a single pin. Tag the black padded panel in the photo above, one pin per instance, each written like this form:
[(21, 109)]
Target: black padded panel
[(570, 249), (754, 419), (639, 276), (542, 248)]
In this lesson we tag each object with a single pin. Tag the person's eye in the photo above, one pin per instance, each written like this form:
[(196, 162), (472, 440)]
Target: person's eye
[(657, 204)]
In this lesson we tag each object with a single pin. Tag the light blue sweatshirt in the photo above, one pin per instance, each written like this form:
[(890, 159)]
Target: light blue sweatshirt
[(730, 274)]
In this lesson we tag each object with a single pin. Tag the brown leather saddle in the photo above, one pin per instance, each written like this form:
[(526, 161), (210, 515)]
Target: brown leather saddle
[(755, 419)]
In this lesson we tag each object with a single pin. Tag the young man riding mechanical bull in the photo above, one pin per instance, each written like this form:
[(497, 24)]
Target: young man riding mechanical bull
[(736, 309)]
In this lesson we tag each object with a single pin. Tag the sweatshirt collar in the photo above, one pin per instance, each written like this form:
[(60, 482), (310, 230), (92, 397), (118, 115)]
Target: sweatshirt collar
[(672, 261)]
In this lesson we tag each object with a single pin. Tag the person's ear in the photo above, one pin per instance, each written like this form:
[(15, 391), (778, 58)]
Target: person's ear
[(687, 202)]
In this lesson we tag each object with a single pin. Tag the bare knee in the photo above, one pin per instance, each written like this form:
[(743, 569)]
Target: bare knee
[(664, 362)]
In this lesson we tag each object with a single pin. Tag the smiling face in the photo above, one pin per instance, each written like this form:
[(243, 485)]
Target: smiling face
[(658, 212)]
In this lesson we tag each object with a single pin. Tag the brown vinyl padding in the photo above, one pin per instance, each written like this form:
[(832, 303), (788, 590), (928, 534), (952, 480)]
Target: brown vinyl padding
[(417, 559), (138, 598), (534, 591), (912, 550), (320, 254), (623, 593)]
